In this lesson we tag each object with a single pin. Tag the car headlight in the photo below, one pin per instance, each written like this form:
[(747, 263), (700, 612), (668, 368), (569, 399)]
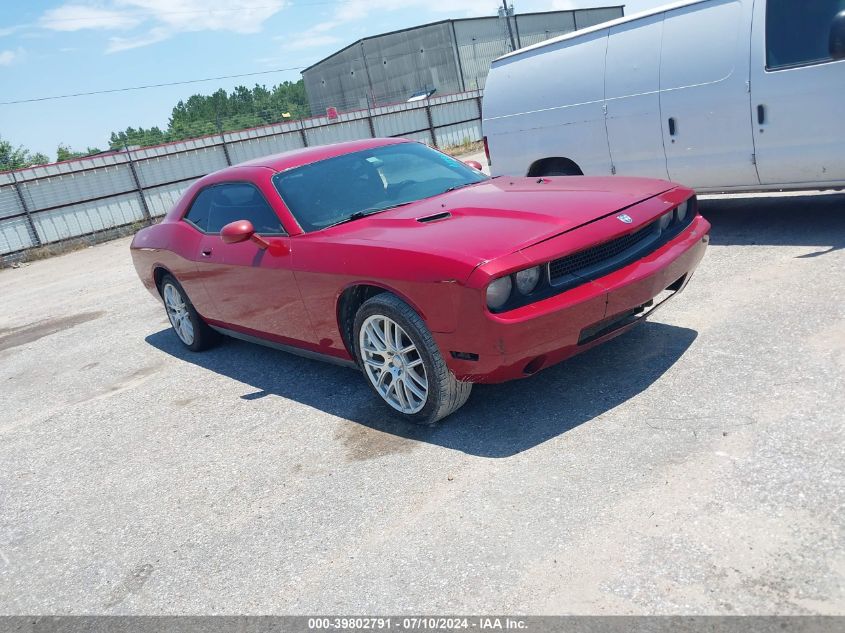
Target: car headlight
[(526, 280), (498, 292), (682, 210), (666, 220)]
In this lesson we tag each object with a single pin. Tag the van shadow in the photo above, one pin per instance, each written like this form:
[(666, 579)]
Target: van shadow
[(497, 421), (815, 221)]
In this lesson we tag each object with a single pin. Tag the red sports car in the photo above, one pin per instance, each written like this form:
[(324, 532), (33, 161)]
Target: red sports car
[(429, 276)]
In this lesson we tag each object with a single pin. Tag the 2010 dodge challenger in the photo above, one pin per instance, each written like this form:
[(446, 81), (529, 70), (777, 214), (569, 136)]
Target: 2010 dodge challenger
[(417, 268)]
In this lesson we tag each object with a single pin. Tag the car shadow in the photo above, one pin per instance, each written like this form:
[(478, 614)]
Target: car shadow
[(498, 421), (816, 221)]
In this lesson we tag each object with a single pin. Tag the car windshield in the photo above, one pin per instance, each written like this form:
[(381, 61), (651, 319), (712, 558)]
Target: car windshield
[(350, 186)]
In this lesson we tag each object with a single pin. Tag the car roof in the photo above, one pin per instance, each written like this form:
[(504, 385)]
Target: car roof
[(306, 155)]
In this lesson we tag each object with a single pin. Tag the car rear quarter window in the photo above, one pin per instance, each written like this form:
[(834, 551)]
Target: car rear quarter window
[(198, 213), (218, 205), (798, 31)]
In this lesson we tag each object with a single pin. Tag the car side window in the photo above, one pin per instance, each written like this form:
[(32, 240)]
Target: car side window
[(218, 205), (798, 32), (198, 213)]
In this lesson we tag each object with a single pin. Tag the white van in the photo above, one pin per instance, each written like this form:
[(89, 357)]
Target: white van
[(720, 95)]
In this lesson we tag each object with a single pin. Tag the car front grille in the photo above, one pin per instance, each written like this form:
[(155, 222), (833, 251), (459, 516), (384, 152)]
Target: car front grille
[(599, 257), (574, 269)]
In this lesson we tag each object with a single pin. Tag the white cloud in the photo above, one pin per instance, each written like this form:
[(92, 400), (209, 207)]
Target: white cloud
[(316, 36), (566, 5), (357, 10), (161, 19), (154, 35), (9, 30), (9, 57), (300, 42), (154, 21), (240, 16), (75, 17)]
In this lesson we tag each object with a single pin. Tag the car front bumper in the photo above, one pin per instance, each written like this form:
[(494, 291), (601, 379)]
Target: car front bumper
[(493, 348)]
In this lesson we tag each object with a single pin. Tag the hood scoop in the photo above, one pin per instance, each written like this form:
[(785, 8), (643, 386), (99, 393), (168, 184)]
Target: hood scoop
[(443, 215)]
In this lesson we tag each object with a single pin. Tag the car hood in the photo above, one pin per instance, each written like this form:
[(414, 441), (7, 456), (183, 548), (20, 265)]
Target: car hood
[(502, 215)]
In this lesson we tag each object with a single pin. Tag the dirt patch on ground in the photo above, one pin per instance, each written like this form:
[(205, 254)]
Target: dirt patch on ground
[(15, 337), (363, 443)]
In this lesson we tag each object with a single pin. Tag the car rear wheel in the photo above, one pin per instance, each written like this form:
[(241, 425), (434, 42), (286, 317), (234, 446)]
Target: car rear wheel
[(402, 362), (194, 333)]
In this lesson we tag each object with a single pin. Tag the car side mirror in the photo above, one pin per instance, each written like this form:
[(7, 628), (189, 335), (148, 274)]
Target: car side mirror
[(837, 36), (474, 164), (241, 231)]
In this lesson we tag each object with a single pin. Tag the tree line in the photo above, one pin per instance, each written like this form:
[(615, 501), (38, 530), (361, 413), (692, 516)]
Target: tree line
[(196, 116)]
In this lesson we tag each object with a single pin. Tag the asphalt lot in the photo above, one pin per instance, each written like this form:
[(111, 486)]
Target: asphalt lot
[(694, 465)]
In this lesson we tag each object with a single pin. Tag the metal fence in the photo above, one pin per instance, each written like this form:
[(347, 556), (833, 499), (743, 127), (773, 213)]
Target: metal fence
[(104, 195)]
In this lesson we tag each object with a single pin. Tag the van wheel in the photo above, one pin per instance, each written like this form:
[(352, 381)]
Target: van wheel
[(555, 167), (563, 172)]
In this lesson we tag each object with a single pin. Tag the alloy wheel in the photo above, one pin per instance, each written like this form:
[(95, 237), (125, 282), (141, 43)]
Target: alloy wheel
[(393, 364), (177, 312)]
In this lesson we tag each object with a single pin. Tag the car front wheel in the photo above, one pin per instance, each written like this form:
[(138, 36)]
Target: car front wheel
[(402, 362)]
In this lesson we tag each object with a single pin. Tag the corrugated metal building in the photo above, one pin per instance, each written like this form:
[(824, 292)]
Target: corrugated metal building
[(447, 56)]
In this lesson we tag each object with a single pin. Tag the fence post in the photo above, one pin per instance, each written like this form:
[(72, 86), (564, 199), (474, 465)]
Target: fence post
[(302, 134), (147, 215), (36, 238), (431, 125), (223, 140)]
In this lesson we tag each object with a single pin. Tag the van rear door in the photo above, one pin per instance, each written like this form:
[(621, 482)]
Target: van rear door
[(548, 103), (704, 98), (797, 93)]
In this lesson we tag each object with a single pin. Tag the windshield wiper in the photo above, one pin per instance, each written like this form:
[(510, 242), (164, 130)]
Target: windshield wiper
[(364, 213), (461, 186)]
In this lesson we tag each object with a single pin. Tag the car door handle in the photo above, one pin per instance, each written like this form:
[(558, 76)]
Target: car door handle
[(206, 253), (671, 126), (761, 114)]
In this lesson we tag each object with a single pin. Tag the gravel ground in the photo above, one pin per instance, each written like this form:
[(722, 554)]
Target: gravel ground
[(692, 466)]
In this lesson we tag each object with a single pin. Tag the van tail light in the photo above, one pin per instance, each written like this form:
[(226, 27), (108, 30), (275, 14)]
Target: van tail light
[(487, 152)]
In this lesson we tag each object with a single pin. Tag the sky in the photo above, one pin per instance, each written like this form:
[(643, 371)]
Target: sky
[(57, 47)]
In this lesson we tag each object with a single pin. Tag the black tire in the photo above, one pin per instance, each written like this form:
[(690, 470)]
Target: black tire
[(558, 167), (203, 335), (445, 393), (557, 171)]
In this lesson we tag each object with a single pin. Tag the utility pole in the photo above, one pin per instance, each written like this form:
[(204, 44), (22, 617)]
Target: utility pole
[(506, 14)]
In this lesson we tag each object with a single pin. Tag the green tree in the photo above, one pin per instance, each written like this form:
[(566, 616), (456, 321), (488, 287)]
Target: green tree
[(17, 157), (64, 152), (200, 115), (140, 136)]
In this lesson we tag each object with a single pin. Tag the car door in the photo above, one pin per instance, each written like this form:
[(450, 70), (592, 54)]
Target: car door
[(797, 93), (632, 97), (253, 289), (704, 97)]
